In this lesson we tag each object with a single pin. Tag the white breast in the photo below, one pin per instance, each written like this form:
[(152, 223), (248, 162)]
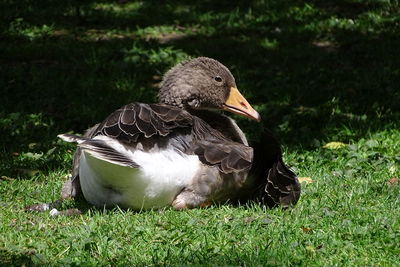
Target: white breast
[(160, 177)]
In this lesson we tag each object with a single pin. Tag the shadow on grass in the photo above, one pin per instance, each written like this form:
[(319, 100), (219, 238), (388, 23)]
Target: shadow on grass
[(316, 71), (16, 259)]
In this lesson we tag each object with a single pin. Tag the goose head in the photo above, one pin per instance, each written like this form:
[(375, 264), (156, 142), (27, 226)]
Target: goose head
[(204, 83)]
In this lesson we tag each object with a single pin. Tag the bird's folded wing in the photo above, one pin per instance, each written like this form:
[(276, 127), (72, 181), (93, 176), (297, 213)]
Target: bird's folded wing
[(227, 157), (216, 150), (136, 119)]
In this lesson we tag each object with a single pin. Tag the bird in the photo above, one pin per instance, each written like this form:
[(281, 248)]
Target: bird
[(181, 152)]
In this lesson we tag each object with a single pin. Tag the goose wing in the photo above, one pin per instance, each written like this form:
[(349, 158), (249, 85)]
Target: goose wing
[(136, 121), (216, 150), (110, 140)]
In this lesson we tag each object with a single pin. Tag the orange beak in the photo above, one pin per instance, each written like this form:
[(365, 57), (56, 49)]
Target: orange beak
[(236, 103)]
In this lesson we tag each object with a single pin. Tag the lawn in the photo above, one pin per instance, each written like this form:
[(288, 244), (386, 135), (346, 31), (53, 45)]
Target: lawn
[(318, 72)]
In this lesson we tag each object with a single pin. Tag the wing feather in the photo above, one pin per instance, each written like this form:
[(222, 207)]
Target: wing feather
[(134, 120), (100, 149), (216, 150)]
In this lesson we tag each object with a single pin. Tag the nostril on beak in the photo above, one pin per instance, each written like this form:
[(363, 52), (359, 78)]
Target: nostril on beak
[(243, 105)]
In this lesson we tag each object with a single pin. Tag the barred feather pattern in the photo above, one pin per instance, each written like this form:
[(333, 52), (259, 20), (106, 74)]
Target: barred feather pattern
[(135, 122)]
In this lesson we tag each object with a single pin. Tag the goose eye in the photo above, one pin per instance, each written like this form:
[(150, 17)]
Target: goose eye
[(218, 79)]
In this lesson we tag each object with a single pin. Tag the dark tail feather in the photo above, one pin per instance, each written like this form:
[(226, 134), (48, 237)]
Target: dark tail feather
[(282, 186), (276, 184)]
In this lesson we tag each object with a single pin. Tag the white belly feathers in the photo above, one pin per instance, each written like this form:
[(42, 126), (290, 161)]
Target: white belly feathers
[(160, 177)]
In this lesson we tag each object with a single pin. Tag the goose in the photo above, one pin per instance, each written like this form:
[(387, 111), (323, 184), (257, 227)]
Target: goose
[(181, 152)]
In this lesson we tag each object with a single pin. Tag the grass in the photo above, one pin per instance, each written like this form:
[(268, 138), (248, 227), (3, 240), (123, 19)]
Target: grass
[(318, 72), (347, 216)]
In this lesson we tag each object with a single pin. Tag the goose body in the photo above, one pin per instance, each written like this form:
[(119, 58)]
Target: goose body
[(173, 154), (146, 156)]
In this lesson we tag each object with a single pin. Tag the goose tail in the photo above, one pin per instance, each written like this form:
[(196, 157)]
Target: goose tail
[(282, 187), (275, 183)]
